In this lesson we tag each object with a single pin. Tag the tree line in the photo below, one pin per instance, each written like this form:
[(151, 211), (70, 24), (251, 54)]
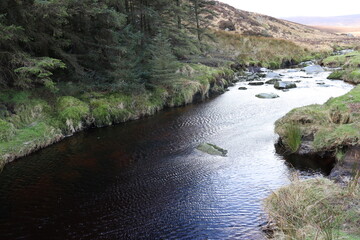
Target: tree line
[(122, 42)]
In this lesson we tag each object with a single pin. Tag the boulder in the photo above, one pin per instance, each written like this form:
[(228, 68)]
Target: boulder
[(284, 85), (256, 83), (212, 149), (267, 95), (313, 69), (242, 88), (273, 81), (272, 75)]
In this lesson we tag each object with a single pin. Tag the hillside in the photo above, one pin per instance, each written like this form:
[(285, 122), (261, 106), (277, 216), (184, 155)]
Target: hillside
[(249, 23)]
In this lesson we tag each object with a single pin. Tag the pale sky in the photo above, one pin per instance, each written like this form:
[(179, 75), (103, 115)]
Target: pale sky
[(290, 8)]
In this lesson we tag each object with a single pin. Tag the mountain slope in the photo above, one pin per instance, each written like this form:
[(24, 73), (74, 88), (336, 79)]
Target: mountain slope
[(249, 23)]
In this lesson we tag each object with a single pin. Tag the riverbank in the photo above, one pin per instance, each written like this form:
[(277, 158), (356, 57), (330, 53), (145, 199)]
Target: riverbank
[(322, 208), (32, 120)]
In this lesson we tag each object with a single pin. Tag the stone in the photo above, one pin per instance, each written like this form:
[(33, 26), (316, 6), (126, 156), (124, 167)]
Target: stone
[(313, 69), (272, 75), (212, 149), (284, 85), (256, 83), (267, 95), (273, 81), (242, 88)]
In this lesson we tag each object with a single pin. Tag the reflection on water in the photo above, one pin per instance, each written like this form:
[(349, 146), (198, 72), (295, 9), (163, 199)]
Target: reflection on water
[(145, 180)]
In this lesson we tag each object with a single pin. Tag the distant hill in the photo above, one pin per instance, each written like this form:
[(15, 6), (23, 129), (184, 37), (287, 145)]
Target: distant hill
[(338, 21), (248, 23), (349, 24)]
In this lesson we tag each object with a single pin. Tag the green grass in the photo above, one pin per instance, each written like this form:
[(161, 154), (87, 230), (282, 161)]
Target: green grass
[(336, 75), (349, 62), (72, 113), (314, 209), (333, 125), (7, 131), (292, 136), (27, 139)]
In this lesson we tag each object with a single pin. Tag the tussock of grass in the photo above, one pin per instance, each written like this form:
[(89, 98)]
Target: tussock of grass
[(292, 136), (314, 209), (72, 113)]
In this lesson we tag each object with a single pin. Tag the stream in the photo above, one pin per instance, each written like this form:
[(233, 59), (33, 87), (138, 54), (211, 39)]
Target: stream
[(145, 180)]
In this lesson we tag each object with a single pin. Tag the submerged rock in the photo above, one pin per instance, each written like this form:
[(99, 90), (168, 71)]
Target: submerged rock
[(284, 85), (212, 149), (313, 69), (267, 95)]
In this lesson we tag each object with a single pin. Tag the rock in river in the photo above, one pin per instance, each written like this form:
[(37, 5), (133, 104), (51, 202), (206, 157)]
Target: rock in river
[(242, 88), (267, 95), (284, 85), (313, 69), (273, 81), (256, 83), (212, 149), (273, 75)]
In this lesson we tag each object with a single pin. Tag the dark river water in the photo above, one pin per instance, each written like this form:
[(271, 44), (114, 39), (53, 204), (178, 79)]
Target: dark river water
[(145, 179)]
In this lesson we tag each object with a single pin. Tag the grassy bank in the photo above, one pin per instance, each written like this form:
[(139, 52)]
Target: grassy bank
[(315, 209), (30, 120), (333, 126), (349, 64)]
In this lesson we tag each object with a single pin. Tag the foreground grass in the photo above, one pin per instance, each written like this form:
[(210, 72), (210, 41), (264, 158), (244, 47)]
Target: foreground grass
[(332, 126), (315, 209), (349, 64), (30, 120)]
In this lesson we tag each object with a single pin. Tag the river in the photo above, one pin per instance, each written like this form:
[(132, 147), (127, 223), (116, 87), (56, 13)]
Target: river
[(145, 180)]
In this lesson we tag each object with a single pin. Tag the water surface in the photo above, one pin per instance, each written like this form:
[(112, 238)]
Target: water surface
[(145, 179)]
